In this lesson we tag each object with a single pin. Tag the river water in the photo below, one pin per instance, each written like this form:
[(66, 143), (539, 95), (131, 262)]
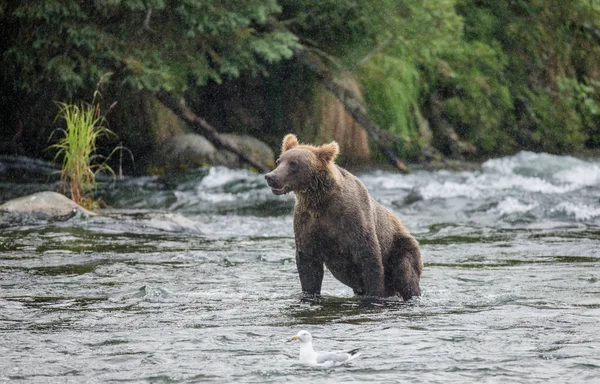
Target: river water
[(208, 292)]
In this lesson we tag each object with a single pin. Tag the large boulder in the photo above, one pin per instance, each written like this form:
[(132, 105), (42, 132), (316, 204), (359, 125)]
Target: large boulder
[(184, 152), (251, 145), (53, 206), (143, 124), (43, 205)]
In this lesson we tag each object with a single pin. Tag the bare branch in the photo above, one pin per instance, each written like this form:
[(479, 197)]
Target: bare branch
[(353, 106), (179, 107), (146, 24), (374, 52)]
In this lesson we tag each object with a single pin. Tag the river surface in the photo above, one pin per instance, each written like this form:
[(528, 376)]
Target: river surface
[(209, 293)]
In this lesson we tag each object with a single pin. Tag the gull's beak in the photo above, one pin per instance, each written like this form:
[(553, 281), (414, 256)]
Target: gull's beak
[(295, 337)]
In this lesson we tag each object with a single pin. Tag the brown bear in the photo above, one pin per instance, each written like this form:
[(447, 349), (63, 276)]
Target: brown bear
[(338, 224)]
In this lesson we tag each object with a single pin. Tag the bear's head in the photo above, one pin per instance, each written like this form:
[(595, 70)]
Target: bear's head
[(301, 167)]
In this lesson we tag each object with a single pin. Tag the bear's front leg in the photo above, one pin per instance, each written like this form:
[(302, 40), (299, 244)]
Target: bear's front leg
[(310, 268)]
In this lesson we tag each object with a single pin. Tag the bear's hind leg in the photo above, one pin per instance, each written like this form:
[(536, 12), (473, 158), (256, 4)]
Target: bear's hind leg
[(407, 283), (403, 270)]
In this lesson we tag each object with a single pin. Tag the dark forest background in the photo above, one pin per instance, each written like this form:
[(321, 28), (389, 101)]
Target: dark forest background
[(468, 78)]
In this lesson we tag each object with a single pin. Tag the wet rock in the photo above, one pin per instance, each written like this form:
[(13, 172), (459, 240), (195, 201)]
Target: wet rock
[(140, 221), (43, 205), (184, 152), (413, 197), (167, 221), (335, 123)]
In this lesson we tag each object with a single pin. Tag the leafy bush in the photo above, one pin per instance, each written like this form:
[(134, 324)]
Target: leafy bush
[(152, 45), (392, 87), (551, 67)]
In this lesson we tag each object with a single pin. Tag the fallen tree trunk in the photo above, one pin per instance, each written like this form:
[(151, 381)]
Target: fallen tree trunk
[(445, 134), (182, 111), (353, 106)]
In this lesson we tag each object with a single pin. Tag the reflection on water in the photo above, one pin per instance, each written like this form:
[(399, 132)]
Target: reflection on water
[(192, 279)]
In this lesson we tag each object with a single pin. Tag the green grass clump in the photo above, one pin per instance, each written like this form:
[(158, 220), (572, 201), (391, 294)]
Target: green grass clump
[(77, 148)]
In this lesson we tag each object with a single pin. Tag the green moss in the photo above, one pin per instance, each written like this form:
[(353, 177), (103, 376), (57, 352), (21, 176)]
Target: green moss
[(392, 89), (554, 124)]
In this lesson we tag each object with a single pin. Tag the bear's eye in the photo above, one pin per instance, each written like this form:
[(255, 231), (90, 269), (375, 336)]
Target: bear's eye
[(277, 163), (294, 165)]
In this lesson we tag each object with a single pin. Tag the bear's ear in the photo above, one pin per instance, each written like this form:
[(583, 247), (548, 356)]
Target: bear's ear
[(289, 141), (328, 152)]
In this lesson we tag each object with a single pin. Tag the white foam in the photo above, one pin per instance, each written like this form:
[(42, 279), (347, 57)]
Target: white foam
[(579, 211), (524, 183), (488, 185), (220, 176), (506, 165), (582, 175), (526, 171), (531, 163), (216, 197), (212, 188), (449, 189), (511, 205), (386, 180)]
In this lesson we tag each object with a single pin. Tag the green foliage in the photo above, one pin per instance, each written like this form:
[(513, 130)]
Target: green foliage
[(584, 98), (554, 125), (478, 102), (77, 149), (392, 88), (336, 26), (503, 75), (508, 75), (425, 53), (152, 44), (552, 53)]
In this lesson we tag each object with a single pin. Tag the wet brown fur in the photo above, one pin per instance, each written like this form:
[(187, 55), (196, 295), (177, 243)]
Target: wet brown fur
[(339, 225)]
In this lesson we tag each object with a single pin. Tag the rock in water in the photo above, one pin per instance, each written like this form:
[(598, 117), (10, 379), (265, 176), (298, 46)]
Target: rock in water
[(43, 205)]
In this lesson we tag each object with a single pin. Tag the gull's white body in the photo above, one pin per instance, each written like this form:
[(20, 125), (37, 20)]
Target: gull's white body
[(326, 359)]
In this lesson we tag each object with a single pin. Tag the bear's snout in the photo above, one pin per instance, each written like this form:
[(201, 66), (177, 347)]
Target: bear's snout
[(274, 184), (270, 177)]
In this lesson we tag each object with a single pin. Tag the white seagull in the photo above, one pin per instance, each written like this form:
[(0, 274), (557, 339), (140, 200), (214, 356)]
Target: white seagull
[(323, 359)]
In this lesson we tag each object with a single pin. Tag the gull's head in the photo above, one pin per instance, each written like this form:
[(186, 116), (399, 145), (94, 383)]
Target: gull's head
[(303, 336)]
